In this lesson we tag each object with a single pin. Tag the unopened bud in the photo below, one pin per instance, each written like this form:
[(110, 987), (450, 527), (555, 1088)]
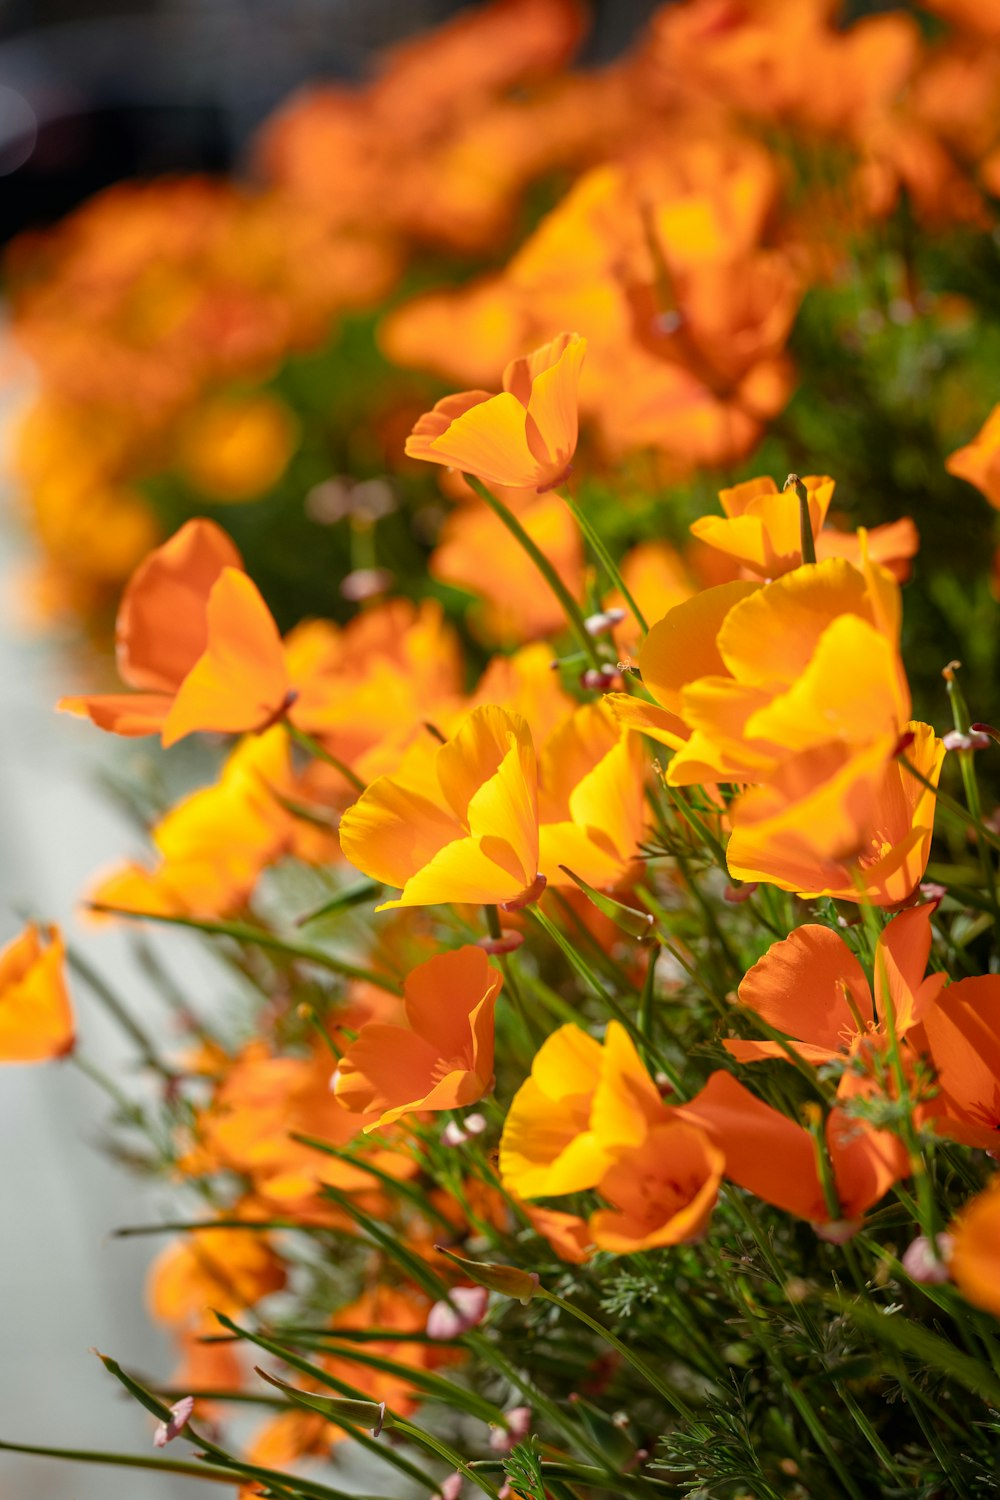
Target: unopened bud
[(923, 1264), (510, 1281), (599, 679), (956, 740), (838, 1231), (604, 621), (365, 583), (503, 1439), (736, 894), (462, 1309)]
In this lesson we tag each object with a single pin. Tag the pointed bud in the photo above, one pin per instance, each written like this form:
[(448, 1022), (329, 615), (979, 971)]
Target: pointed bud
[(510, 1281)]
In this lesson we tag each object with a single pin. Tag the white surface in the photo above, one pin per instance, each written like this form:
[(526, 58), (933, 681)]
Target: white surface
[(64, 1284)]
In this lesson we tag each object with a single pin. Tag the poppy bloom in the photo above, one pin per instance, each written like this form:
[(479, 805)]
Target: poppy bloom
[(441, 1057), (811, 986), (463, 827), (975, 1251), (662, 1191), (194, 636), (979, 461), (525, 436), (36, 1020)]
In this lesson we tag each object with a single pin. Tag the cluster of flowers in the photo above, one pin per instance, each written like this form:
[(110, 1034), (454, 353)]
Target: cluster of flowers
[(738, 157), (794, 766)]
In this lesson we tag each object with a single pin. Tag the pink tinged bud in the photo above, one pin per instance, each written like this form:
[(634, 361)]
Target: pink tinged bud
[(508, 942), (921, 1264), (451, 1488), (365, 583), (180, 1416), (956, 740), (462, 1309), (453, 1134), (601, 623), (933, 890), (735, 894), (503, 1439), (838, 1231), (599, 679)]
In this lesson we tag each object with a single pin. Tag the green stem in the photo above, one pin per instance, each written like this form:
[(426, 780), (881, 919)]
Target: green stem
[(243, 932), (793, 482), (607, 561), (570, 607), (319, 752), (635, 1360)]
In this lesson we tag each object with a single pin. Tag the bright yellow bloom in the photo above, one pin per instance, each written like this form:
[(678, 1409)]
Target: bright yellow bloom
[(461, 825)]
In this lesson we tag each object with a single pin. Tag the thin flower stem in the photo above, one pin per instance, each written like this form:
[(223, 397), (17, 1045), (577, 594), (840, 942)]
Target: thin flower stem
[(319, 752), (607, 561), (635, 1360), (243, 932), (571, 609)]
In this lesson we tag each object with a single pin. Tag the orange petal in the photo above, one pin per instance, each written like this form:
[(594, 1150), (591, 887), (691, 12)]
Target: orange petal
[(799, 987), (130, 714), (681, 647), (161, 629), (36, 1018), (240, 682)]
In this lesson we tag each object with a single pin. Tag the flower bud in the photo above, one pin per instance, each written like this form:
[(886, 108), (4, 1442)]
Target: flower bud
[(510, 1281)]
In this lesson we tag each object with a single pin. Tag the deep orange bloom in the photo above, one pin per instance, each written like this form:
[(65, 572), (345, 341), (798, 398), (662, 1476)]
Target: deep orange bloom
[(811, 986), (774, 1158), (36, 1018), (195, 636), (461, 825), (979, 461), (974, 1261), (441, 1057), (525, 436), (663, 1191), (961, 1035), (225, 1269)]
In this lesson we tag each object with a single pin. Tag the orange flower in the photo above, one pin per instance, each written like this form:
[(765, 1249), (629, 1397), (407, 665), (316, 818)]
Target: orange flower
[(855, 827), (526, 436), (36, 1019), (194, 632), (462, 826), (979, 461), (663, 1191), (761, 528), (224, 1269), (961, 1036), (441, 1058), (774, 1158), (811, 986), (974, 1261), (592, 805), (797, 687), (581, 1104), (236, 449)]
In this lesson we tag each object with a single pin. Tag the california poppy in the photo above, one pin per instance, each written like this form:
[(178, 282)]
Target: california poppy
[(194, 634), (525, 436), (440, 1057), (458, 825), (36, 1019)]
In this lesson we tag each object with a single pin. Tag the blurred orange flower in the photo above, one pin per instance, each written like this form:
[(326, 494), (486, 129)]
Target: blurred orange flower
[(979, 461), (974, 1261), (36, 1018), (195, 634), (441, 1057), (526, 436)]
